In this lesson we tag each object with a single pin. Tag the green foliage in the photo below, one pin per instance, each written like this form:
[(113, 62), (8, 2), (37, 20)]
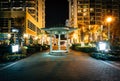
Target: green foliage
[(45, 47), (105, 56), (86, 49), (36, 48), (13, 57)]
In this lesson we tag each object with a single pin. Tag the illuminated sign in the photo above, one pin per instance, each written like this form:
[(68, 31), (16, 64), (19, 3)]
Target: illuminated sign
[(15, 48)]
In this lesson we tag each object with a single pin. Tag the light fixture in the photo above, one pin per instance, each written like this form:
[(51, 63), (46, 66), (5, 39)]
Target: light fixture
[(9, 36), (15, 48), (102, 46), (25, 35)]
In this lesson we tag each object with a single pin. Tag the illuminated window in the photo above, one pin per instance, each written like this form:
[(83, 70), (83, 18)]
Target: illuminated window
[(91, 9), (85, 6), (79, 11), (84, 10)]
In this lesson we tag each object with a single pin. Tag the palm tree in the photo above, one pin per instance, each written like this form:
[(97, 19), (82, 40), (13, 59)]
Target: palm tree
[(115, 32)]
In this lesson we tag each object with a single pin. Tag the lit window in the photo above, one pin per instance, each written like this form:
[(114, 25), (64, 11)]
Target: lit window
[(84, 10), (91, 9), (79, 11)]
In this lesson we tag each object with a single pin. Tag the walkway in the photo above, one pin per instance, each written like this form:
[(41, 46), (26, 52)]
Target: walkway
[(76, 66)]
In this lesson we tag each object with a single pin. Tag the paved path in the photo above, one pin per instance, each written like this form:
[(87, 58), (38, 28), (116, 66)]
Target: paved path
[(76, 66)]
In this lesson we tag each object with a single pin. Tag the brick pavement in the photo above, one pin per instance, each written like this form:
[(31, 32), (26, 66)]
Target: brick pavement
[(76, 66)]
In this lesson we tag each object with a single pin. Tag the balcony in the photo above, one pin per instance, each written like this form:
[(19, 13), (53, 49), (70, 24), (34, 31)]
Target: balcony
[(12, 14)]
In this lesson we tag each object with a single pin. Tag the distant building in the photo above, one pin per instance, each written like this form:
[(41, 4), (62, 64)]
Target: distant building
[(89, 17), (22, 16)]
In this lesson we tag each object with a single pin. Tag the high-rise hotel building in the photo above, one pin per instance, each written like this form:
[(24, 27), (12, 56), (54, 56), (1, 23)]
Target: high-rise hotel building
[(22, 16), (89, 17)]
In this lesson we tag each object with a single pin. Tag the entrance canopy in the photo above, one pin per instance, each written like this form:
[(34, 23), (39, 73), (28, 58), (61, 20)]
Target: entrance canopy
[(59, 31)]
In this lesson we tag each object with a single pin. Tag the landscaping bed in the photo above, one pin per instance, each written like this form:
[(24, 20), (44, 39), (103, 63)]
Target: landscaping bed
[(7, 55), (36, 48), (86, 49), (12, 57), (106, 56), (114, 54)]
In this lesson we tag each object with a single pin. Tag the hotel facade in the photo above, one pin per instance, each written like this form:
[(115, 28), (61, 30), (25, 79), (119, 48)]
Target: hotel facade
[(89, 16), (24, 17)]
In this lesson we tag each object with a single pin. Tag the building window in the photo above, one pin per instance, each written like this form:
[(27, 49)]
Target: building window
[(80, 14), (79, 11), (92, 22), (85, 6), (92, 18), (38, 31), (98, 14), (98, 10), (91, 9), (31, 25)]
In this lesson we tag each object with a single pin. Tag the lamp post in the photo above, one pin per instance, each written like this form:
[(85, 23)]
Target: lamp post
[(109, 19)]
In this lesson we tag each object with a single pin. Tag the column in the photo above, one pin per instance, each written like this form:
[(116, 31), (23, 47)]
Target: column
[(109, 31), (59, 42), (67, 45), (75, 13), (69, 12), (14, 38), (50, 42), (9, 26)]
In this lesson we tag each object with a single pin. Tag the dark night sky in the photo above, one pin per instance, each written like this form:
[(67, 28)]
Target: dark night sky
[(56, 12)]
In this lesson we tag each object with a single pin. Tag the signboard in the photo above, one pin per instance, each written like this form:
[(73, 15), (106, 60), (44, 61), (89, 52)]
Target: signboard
[(15, 48)]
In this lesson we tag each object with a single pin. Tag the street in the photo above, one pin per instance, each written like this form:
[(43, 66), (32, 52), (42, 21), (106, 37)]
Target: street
[(76, 66)]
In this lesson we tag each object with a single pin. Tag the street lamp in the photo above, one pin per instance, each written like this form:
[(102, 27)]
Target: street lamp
[(9, 36), (109, 19)]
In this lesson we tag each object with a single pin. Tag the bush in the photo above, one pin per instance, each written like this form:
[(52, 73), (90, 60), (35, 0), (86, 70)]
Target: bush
[(78, 47), (105, 56), (45, 47), (13, 57), (31, 50), (5, 49), (36, 48), (74, 46), (99, 56)]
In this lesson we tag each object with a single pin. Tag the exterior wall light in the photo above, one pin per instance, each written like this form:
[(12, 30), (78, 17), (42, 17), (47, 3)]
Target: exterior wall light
[(9, 36)]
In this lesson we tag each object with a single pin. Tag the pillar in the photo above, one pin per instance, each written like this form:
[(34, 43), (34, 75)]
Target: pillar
[(9, 25), (67, 46), (75, 13), (50, 43), (69, 12), (59, 41)]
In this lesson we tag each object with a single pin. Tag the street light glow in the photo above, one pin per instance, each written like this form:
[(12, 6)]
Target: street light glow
[(109, 19), (9, 35), (25, 35), (36, 38)]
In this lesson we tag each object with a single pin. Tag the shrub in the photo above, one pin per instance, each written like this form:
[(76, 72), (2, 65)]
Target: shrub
[(45, 47), (13, 57), (78, 47), (105, 56)]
